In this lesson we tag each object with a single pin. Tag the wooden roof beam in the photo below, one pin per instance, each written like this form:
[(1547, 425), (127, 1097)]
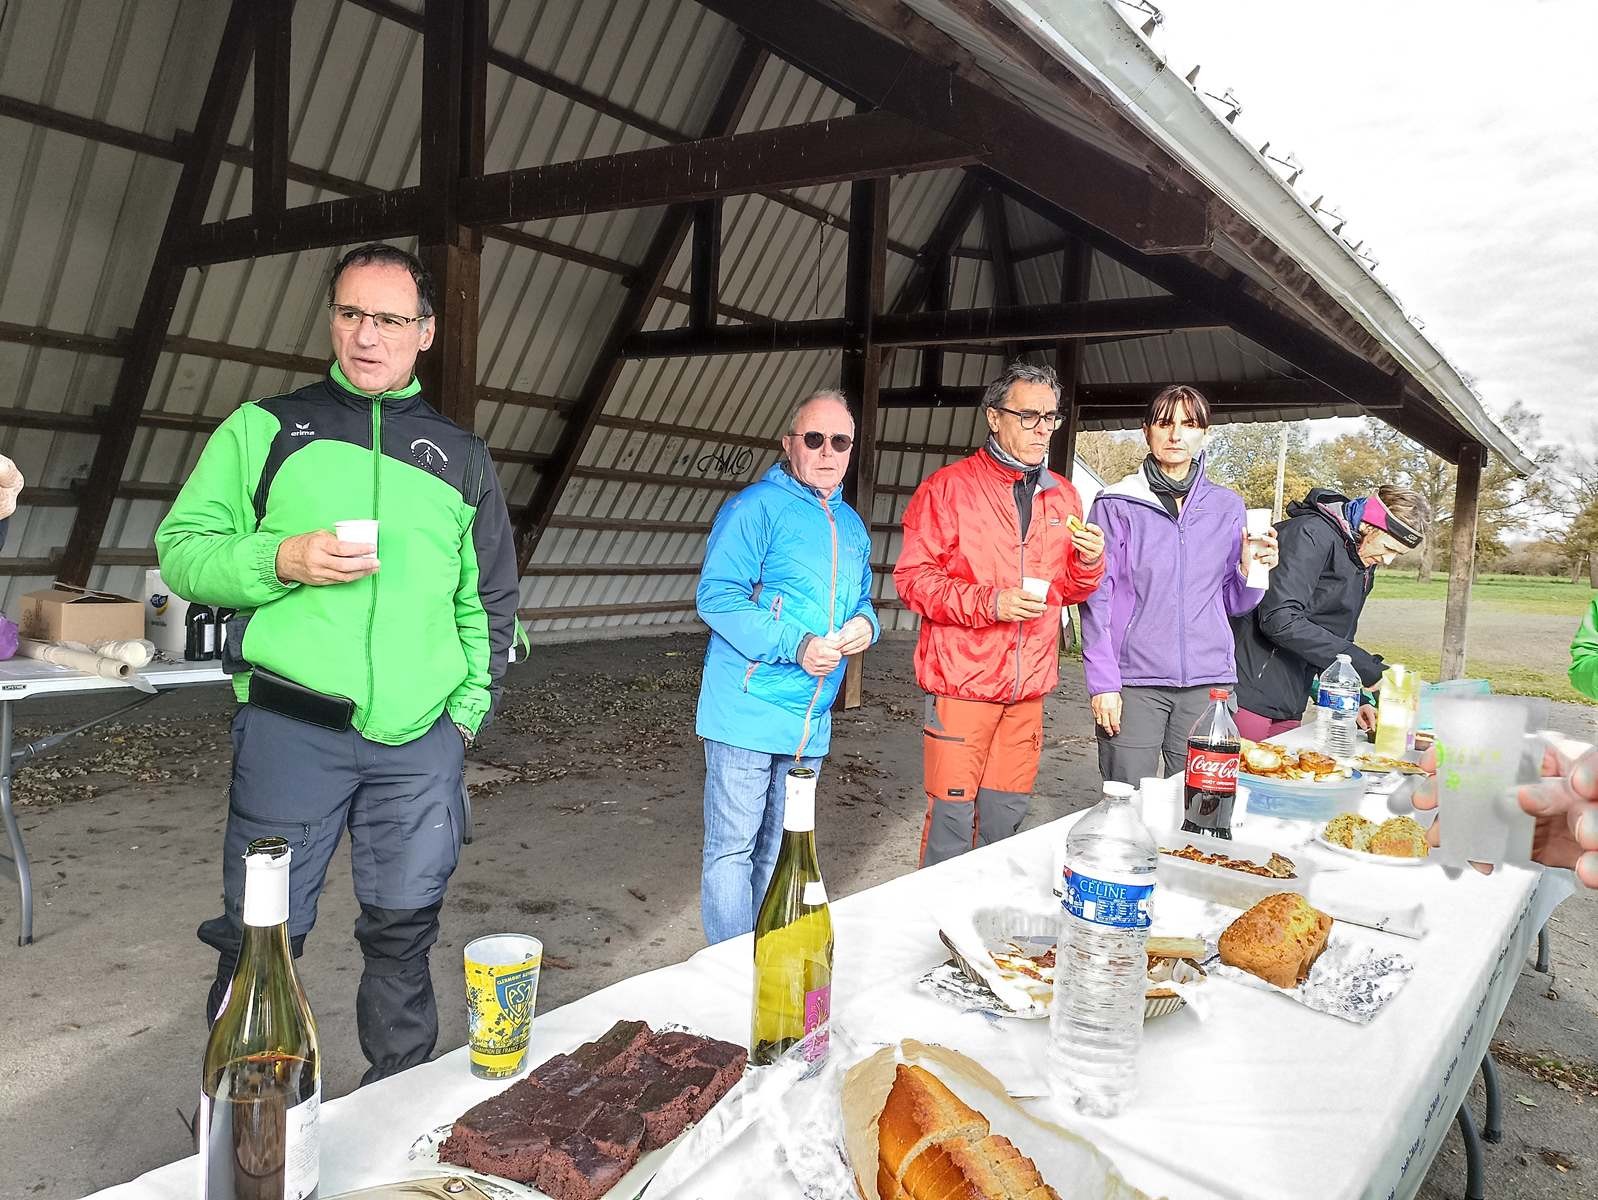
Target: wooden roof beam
[(1131, 399), (1084, 319), (873, 69), (864, 146)]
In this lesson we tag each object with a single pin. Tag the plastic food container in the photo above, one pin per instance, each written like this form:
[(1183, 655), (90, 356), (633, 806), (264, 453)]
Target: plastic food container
[(1224, 885), (1302, 800)]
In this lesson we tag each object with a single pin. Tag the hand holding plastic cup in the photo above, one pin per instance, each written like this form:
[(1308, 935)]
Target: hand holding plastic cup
[(1258, 525), (1483, 754), (501, 992), (360, 533)]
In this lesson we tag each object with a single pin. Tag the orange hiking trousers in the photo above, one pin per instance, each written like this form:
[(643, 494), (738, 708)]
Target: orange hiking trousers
[(980, 761)]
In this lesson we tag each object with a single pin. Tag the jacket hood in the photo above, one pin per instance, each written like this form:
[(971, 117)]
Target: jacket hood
[(1331, 507)]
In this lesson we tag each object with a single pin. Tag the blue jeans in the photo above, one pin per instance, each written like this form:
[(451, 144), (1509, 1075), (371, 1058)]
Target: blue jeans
[(744, 791)]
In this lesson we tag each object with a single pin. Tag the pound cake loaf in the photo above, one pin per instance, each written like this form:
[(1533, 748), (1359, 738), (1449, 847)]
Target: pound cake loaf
[(1278, 939)]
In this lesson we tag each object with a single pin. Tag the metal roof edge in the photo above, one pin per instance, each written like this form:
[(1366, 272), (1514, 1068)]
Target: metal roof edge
[(1106, 51)]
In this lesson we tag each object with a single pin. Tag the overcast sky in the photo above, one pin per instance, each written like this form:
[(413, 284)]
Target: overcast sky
[(1460, 140)]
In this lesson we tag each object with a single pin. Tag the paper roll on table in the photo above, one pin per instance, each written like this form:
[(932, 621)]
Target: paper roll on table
[(136, 652), (77, 660)]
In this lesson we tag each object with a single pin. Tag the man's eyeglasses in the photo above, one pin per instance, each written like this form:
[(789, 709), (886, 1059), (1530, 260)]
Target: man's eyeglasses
[(841, 442), (1030, 420), (389, 325)]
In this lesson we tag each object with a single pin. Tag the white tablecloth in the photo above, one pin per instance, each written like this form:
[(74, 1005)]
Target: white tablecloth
[(24, 677), (1264, 1099)]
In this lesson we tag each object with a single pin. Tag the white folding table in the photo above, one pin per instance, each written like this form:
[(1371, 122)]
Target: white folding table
[(22, 678)]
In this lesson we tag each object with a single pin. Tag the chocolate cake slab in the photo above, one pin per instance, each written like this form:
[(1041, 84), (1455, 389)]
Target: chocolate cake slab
[(616, 1050), (579, 1169)]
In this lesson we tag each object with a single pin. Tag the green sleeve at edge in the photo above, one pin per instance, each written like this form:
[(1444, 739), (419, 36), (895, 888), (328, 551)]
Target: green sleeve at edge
[(1584, 655)]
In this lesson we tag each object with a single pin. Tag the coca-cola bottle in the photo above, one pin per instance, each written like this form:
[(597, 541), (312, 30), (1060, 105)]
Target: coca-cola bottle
[(1211, 780)]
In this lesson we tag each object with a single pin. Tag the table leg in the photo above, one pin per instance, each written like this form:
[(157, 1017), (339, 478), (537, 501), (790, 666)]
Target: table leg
[(1542, 950), (1493, 1120), (1475, 1170), (19, 853)]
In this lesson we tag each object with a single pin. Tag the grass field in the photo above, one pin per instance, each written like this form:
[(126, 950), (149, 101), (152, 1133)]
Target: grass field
[(1518, 637)]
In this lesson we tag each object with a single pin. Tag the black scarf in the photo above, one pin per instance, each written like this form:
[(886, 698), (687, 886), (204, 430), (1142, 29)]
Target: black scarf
[(1166, 489), (1024, 487)]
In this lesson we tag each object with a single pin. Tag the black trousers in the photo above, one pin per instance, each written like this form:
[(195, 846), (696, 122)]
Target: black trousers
[(403, 809)]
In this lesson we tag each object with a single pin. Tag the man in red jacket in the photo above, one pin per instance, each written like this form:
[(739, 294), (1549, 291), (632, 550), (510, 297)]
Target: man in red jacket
[(974, 531)]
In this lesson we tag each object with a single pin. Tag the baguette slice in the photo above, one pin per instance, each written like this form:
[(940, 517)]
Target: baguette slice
[(921, 1111)]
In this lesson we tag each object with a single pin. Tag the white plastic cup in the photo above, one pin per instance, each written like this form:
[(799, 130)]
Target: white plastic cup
[(1033, 586), (360, 533), (1258, 525), (1161, 803)]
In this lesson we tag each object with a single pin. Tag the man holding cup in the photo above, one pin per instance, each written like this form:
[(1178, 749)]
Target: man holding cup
[(367, 652), (786, 591), (994, 546)]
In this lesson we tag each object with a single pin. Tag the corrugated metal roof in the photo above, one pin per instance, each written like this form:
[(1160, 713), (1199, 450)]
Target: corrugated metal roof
[(79, 221)]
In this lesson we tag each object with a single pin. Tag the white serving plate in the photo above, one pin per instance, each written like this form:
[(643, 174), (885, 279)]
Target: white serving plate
[(1380, 860)]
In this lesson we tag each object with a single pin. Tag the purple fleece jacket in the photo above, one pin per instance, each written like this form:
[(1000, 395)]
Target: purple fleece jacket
[(1160, 617)]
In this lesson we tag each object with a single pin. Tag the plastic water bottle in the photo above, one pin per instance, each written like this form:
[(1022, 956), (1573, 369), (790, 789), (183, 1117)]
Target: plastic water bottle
[(1338, 702), (1100, 963)]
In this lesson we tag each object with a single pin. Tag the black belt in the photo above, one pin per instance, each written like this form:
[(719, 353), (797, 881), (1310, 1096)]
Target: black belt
[(276, 694)]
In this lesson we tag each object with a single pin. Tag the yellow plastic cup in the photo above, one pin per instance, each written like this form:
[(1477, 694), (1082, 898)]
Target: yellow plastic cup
[(501, 990)]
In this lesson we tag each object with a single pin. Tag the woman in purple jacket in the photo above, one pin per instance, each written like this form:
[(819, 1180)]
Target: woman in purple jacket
[(1156, 635)]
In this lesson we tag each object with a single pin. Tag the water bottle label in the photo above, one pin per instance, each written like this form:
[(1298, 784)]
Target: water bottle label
[(1342, 703), (1119, 905), (818, 1007)]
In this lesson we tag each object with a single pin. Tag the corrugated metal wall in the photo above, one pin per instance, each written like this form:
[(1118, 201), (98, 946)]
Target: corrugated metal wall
[(79, 220)]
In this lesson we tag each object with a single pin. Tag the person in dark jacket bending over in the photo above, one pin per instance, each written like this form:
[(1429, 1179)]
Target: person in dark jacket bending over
[(1155, 636), (1330, 549), (363, 671)]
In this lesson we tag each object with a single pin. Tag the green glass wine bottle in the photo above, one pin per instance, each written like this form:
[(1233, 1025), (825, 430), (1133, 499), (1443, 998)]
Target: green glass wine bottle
[(793, 938), (261, 1083)]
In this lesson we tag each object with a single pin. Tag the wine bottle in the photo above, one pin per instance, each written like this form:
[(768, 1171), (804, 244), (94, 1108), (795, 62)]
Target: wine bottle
[(261, 1085), (793, 938)]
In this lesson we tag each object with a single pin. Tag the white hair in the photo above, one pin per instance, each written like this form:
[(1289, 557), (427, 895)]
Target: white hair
[(816, 397)]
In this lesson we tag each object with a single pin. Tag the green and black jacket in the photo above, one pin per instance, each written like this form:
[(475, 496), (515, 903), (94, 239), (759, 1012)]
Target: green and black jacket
[(432, 630)]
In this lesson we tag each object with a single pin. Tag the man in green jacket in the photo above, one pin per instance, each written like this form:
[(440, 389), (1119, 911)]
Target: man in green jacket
[(364, 670)]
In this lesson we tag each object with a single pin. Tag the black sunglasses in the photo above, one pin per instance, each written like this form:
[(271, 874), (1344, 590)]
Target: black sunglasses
[(841, 442)]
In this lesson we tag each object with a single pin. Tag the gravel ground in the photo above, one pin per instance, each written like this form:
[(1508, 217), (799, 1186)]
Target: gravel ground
[(586, 797)]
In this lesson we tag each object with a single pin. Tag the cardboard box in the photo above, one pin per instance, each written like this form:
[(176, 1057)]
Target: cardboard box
[(68, 614)]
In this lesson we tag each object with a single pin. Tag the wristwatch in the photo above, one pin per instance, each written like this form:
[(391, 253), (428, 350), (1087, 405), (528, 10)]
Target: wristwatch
[(466, 734)]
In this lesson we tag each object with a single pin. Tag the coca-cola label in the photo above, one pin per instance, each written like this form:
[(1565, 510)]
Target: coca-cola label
[(1105, 902), (1212, 770)]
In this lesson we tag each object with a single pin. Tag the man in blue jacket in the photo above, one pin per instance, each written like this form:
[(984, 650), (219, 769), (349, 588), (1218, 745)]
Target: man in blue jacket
[(786, 591)]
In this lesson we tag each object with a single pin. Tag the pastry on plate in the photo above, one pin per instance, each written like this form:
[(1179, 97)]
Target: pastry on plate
[(1350, 830), (1399, 837)]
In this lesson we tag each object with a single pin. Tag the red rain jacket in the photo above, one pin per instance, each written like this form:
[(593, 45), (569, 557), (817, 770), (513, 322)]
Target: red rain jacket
[(962, 546)]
